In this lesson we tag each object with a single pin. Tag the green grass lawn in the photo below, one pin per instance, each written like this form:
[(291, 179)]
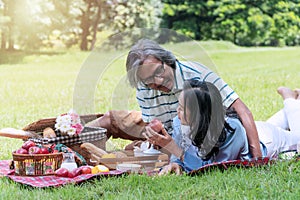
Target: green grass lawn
[(41, 86)]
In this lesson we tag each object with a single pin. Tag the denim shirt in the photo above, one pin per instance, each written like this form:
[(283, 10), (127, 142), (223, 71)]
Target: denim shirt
[(235, 147)]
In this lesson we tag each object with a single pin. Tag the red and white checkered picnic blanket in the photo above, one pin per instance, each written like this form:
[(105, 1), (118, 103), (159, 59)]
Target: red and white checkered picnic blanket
[(233, 163), (50, 181), (55, 181)]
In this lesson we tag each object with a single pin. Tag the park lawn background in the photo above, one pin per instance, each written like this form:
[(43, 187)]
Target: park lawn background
[(41, 86)]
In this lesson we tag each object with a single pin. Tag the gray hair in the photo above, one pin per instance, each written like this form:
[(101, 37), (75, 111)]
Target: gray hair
[(140, 52)]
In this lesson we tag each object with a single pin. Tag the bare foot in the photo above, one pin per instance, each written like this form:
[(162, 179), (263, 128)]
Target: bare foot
[(287, 93), (297, 90)]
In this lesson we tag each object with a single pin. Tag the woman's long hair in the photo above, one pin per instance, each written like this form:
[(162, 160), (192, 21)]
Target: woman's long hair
[(207, 117)]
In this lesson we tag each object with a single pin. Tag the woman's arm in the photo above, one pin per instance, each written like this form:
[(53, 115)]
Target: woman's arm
[(250, 127)]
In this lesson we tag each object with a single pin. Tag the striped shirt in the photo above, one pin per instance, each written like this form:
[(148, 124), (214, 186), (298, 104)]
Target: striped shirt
[(162, 105)]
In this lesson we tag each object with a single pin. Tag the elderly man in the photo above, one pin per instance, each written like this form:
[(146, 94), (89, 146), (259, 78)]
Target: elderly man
[(158, 78)]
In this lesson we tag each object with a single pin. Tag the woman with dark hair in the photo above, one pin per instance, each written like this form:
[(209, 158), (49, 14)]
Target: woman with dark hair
[(207, 117), (215, 135), (212, 135)]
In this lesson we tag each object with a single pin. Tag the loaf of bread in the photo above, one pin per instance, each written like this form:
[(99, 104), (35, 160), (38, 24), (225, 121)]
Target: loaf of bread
[(93, 149), (49, 133)]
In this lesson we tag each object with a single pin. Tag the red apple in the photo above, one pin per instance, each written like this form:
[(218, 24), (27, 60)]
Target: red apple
[(55, 151), (44, 150), (26, 145), (34, 150), (85, 170), (156, 125), (75, 172), (22, 151), (71, 174), (62, 172)]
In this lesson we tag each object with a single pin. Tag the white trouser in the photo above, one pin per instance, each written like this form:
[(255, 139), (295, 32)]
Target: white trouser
[(282, 131)]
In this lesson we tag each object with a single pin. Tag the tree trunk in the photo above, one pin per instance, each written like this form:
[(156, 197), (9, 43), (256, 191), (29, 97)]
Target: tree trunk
[(10, 33), (3, 40), (10, 39), (95, 25), (85, 32), (4, 29), (85, 26), (198, 35)]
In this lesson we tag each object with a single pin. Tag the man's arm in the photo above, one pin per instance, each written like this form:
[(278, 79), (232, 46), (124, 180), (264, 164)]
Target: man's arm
[(250, 127)]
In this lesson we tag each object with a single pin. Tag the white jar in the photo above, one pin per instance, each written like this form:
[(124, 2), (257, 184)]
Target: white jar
[(69, 161)]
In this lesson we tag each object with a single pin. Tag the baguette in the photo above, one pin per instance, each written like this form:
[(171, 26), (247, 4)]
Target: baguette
[(92, 149)]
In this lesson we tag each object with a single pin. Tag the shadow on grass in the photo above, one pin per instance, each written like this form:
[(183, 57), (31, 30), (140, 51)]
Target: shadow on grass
[(17, 56)]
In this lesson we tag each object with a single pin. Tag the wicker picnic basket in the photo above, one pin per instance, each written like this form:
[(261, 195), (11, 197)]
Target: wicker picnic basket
[(94, 135), (36, 165)]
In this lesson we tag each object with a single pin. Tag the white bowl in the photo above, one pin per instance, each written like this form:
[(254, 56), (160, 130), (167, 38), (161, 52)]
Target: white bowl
[(129, 167), (138, 152)]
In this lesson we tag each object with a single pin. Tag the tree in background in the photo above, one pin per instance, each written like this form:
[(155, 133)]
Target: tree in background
[(258, 23), (13, 22), (38, 24), (129, 15), (190, 17), (244, 22), (26, 26), (34, 24)]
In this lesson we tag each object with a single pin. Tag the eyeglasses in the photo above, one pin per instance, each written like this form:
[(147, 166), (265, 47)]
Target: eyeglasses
[(160, 70)]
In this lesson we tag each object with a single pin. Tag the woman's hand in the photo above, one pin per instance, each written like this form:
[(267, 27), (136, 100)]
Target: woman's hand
[(172, 167), (163, 140), (155, 138)]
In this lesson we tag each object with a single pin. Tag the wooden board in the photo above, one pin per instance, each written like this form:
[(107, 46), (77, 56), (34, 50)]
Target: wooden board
[(147, 161)]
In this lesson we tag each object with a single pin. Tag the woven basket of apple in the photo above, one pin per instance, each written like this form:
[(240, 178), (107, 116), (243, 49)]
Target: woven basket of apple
[(32, 159), (68, 129)]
